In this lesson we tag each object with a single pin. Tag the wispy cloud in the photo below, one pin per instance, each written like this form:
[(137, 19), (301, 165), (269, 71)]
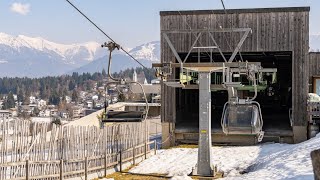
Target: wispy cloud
[(20, 8), (316, 34)]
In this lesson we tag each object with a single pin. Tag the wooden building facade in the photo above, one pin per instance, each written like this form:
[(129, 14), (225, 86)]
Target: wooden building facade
[(277, 33)]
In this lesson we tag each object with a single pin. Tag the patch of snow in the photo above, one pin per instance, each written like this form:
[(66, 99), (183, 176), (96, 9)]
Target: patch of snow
[(266, 161), (149, 51), (66, 51), (180, 161), (278, 161), (172, 162)]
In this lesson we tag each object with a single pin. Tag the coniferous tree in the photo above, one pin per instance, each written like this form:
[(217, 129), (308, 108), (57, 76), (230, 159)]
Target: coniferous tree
[(54, 98), (75, 96), (104, 74), (20, 95), (9, 103)]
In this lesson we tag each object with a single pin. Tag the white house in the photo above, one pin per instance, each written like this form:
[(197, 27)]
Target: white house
[(89, 104), (42, 103), (82, 94), (15, 97), (41, 114), (76, 111), (101, 88), (68, 99), (64, 114), (5, 114), (95, 97), (53, 112), (32, 100), (45, 113)]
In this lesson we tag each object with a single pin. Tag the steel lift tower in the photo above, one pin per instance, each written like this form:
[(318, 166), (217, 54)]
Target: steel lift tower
[(240, 116)]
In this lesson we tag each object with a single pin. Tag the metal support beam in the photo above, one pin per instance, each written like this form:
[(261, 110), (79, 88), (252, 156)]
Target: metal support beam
[(218, 47), (174, 51), (244, 37), (172, 48), (205, 164), (194, 43)]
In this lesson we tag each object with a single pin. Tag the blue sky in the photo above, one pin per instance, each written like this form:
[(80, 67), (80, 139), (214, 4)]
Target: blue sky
[(129, 22)]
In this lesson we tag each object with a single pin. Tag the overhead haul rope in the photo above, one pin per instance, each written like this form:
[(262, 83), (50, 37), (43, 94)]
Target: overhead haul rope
[(114, 46), (228, 43), (125, 51)]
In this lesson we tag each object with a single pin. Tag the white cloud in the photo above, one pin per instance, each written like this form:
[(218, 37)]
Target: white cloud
[(20, 8)]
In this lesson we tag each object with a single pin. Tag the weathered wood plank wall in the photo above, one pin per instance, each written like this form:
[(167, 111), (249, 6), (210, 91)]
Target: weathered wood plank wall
[(273, 29)]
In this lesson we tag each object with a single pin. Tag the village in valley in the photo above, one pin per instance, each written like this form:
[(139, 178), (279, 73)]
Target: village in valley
[(76, 105)]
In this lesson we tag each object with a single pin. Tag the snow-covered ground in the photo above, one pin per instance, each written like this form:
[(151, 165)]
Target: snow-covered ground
[(267, 161)]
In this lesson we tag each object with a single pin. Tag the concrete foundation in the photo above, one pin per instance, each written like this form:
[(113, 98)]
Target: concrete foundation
[(300, 134)]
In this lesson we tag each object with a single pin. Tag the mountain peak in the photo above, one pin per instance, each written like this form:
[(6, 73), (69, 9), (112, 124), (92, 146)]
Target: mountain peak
[(148, 51)]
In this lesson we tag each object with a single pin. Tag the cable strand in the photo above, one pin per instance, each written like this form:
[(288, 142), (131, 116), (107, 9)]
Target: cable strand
[(225, 11), (104, 33)]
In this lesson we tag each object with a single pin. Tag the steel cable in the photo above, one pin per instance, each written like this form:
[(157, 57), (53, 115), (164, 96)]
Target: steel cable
[(125, 51)]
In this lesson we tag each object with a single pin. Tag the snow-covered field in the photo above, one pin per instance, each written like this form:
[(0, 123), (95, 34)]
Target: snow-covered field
[(267, 161)]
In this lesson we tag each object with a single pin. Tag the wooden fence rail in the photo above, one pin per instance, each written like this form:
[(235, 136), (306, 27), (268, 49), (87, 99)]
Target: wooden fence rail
[(45, 151)]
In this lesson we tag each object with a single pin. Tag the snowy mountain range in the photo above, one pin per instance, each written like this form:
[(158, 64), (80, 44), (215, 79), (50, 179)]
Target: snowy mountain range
[(34, 57), (146, 54)]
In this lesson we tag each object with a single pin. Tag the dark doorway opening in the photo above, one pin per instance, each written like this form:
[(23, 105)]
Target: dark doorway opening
[(275, 101)]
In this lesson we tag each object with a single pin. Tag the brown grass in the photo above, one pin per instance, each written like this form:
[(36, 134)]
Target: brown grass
[(128, 176)]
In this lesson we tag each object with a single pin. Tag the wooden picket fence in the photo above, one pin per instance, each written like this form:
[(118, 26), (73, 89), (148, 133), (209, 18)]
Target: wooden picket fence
[(47, 151)]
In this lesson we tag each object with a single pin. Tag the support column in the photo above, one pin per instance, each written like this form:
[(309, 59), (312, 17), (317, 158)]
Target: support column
[(205, 165), (168, 140)]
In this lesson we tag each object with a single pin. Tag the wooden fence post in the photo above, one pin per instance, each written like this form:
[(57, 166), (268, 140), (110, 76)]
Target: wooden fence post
[(27, 169), (105, 163), (134, 155), (61, 169), (155, 147), (86, 168), (120, 161), (145, 150), (315, 156)]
